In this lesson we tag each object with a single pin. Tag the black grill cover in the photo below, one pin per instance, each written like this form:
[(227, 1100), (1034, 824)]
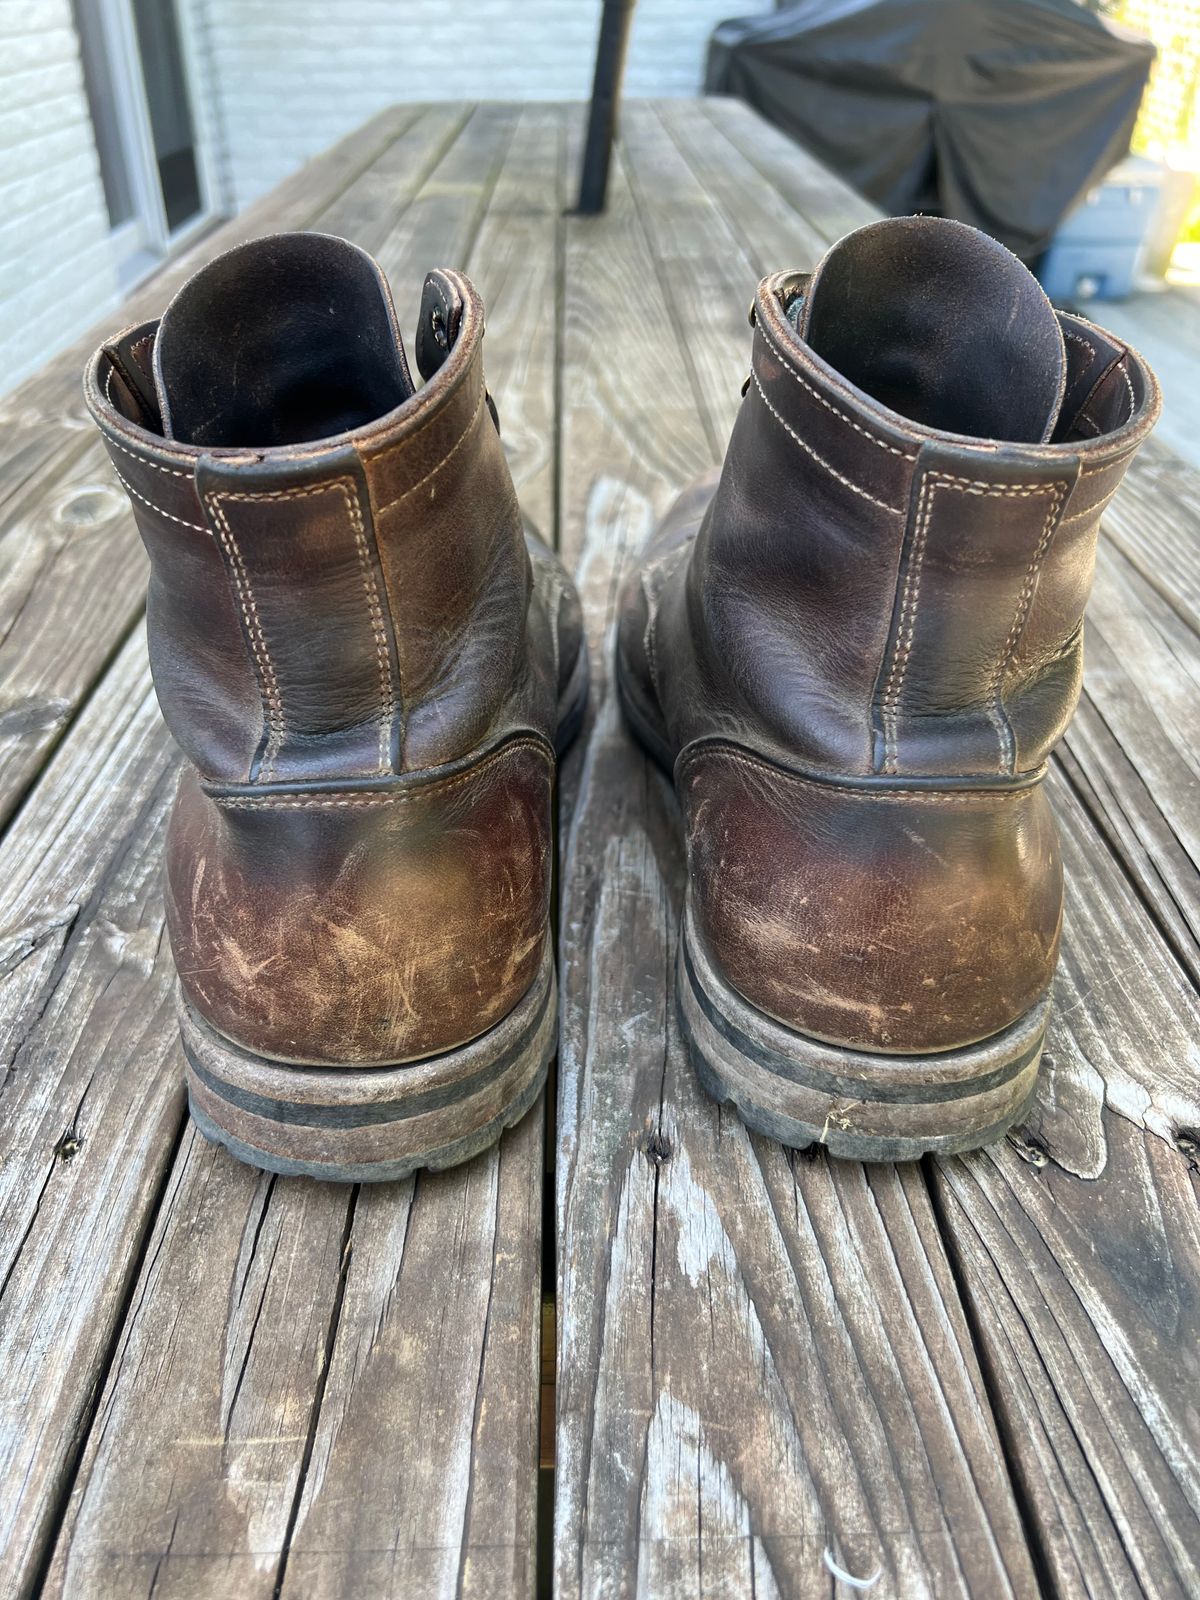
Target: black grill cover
[(1001, 113)]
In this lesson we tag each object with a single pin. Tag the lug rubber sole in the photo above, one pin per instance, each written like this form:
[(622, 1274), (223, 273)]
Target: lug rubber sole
[(372, 1124), (860, 1105)]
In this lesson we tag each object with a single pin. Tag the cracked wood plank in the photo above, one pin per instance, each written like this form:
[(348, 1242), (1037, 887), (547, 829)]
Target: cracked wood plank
[(764, 1363), (91, 1097), (1083, 1295), (319, 1390)]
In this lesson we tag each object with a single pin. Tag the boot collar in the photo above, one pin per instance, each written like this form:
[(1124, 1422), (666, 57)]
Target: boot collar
[(872, 441), (120, 394)]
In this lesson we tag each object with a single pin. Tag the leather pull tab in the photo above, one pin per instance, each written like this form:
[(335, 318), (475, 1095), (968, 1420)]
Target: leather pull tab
[(440, 320), (132, 356)]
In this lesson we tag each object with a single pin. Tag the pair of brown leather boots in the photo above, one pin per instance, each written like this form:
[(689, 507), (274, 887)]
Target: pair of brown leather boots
[(854, 648)]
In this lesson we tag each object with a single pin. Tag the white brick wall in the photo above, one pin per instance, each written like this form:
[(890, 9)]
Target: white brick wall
[(292, 76), (56, 266)]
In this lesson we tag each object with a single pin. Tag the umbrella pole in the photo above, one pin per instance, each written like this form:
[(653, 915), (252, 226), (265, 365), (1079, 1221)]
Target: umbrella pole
[(615, 18)]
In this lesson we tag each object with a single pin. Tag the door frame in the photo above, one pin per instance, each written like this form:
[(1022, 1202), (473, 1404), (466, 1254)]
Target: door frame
[(143, 241)]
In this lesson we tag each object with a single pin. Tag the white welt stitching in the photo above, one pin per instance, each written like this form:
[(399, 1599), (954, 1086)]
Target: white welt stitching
[(433, 471), (388, 710), (1107, 466), (907, 622), (1077, 338), (820, 460), (158, 510), (1024, 601), (906, 626), (268, 682), (905, 455), (337, 802), (1124, 371), (138, 349), (144, 461)]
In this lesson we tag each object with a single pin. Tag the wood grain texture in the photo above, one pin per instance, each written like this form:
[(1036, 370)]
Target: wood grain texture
[(1138, 741), (825, 201), (764, 1365), (91, 1097), (771, 232), (74, 583), (514, 264), (1083, 1293), (313, 1392)]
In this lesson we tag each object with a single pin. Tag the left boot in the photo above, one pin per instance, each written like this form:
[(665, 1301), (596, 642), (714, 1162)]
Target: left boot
[(855, 650), (369, 663)]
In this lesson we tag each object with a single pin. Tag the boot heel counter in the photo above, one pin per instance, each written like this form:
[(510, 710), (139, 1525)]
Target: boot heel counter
[(363, 926), (890, 920)]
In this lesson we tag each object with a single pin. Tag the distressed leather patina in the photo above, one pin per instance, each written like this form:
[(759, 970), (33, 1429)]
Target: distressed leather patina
[(857, 644), (365, 657)]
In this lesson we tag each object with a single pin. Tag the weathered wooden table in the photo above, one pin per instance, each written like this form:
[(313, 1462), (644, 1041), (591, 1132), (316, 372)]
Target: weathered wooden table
[(977, 1376)]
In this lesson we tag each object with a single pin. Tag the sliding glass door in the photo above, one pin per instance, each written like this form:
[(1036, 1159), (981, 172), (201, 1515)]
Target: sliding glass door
[(139, 92)]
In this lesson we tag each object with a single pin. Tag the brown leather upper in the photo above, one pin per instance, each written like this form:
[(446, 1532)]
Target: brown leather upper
[(886, 618), (360, 648)]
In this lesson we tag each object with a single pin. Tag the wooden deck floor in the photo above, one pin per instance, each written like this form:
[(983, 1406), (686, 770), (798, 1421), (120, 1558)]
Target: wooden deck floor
[(973, 1377)]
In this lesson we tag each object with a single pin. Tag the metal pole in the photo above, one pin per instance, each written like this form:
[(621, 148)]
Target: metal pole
[(615, 17)]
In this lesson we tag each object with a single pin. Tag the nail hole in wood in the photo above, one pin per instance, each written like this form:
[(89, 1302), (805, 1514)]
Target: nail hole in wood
[(1029, 1150), (658, 1147)]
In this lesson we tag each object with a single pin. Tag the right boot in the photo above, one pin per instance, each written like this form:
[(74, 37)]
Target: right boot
[(855, 649), (370, 665)]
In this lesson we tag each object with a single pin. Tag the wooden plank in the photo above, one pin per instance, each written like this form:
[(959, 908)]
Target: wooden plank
[(321, 1391), (446, 213), (1165, 325), (1078, 1247), (828, 203), (771, 232), (1083, 1296), (73, 572), (91, 1092), (422, 1479), (74, 582), (1136, 742), (226, 1400), (764, 1366), (515, 266), (1153, 522)]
